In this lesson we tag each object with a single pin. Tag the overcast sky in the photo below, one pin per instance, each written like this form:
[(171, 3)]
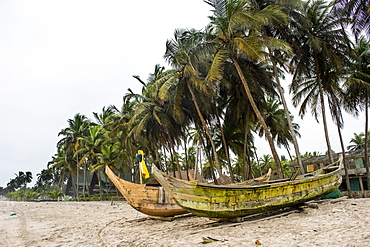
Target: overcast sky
[(59, 58)]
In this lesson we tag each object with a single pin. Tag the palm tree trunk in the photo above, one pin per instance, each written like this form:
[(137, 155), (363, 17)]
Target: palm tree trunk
[(366, 162), (209, 159), (336, 112), (321, 93), (245, 151), (287, 113), (77, 182), (176, 158), (246, 155), (172, 162), (186, 159), (159, 159), (100, 186), (84, 183), (218, 166), (260, 118), (258, 163), (225, 146)]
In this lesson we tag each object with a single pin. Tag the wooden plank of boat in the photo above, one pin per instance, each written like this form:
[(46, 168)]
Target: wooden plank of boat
[(150, 200), (230, 201)]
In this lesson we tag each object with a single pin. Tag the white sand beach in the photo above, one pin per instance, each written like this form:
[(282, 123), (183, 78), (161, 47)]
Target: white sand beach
[(344, 223)]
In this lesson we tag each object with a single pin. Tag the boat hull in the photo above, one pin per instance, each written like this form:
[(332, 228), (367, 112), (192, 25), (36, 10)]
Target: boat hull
[(150, 200), (219, 201)]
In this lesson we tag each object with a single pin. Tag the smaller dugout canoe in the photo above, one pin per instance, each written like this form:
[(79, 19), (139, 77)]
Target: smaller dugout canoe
[(150, 200)]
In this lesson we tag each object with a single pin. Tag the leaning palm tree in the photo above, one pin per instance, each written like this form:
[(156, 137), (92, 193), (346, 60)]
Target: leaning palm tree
[(238, 35), (357, 88), (278, 57), (182, 54), (323, 45)]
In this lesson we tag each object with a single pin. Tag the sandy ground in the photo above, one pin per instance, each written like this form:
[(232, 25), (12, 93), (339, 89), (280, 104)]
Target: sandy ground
[(344, 223)]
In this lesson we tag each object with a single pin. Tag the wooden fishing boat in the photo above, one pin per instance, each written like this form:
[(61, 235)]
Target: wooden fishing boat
[(150, 200), (231, 201)]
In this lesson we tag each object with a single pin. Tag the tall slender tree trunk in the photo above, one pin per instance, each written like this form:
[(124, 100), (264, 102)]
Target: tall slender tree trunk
[(245, 151), (321, 93), (336, 112), (225, 146), (209, 159), (186, 159), (218, 166), (176, 158), (165, 159), (172, 162), (159, 159), (100, 186), (84, 183), (258, 163), (366, 162), (287, 113), (246, 155), (77, 182), (260, 119)]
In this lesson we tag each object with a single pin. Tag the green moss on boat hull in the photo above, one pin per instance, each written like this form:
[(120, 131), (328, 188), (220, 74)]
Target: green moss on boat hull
[(230, 201)]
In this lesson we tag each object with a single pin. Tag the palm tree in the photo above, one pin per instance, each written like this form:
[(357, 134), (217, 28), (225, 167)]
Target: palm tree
[(357, 88), (265, 163), (358, 142), (181, 53), (77, 128), (323, 48), (277, 122), (238, 36), (153, 119), (22, 179), (45, 178), (358, 14), (278, 57), (319, 64), (89, 148)]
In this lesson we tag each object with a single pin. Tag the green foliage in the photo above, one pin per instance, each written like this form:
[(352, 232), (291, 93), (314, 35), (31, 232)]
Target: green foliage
[(22, 195), (55, 194)]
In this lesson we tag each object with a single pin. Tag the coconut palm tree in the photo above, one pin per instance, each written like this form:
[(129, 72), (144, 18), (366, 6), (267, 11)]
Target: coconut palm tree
[(89, 148), (358, 14), (182, 53), (277, 122), (238, 35), (64, 164), (358, 142), (357, 88), (323, 48), (278, 57), (77, 128), (153, 119)]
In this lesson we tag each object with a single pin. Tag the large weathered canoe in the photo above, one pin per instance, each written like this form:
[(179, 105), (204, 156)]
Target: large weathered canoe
[(150, 200), (230, 201)]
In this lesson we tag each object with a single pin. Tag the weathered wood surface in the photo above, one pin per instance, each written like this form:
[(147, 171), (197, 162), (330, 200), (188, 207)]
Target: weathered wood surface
[(150, 200), (222, 201)]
